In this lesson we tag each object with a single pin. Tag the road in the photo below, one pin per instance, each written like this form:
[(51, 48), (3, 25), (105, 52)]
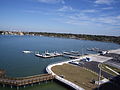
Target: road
[(94, 67)]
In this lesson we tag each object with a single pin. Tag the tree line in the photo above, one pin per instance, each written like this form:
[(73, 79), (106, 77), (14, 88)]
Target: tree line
[(113, 39)]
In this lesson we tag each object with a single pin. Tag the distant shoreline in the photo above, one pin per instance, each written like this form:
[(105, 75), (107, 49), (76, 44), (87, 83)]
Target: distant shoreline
[(113, 39)]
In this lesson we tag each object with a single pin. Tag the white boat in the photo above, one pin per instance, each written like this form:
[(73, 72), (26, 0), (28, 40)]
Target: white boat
[(42, 55), (26, 51), (75, 52), (68, 53), (39, 55), (47, 53), (58, 54)]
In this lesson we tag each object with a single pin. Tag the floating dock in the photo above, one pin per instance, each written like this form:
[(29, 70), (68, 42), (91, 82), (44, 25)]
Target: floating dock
[(48, 55), (74, 53)]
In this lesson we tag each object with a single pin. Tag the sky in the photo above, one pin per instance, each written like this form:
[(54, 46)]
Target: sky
[(96, 17)]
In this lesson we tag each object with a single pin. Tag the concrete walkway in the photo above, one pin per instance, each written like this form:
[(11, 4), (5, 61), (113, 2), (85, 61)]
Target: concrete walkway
[(48, 69)]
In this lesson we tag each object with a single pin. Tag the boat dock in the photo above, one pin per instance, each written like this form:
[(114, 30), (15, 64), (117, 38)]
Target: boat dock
[(48, 55), (72, 54), (75, 53), (23, 81), (101, 51), (94, 49)]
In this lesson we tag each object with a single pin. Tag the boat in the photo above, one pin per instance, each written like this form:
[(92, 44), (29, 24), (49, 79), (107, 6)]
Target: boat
[(57, 54), (67, 53), (74, 52), (43, 55), (48, 55), (27, 51), (38, 55)]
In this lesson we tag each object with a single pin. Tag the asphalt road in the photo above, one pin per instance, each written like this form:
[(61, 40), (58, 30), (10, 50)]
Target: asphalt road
[(115, 62), (94, 67)]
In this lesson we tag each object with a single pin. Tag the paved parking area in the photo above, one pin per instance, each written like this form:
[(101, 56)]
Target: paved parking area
[(99, 58), (117, 51), (94, 67)]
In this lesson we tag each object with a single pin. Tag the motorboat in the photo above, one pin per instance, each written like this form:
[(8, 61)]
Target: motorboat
[(26, 51)]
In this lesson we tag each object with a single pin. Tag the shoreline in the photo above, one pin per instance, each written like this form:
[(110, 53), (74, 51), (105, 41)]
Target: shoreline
[(102, 38)]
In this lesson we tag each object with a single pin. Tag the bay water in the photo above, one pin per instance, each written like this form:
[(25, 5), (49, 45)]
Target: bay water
[(18, 64)]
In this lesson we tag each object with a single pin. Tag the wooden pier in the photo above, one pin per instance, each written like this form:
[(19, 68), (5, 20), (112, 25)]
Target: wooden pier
[(2, 73), (23, 81)]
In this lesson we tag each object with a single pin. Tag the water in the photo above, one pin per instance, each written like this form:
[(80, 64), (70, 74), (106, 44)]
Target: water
[(18, 64)]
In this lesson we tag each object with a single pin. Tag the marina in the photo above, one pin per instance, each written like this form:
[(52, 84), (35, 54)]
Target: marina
[(70, 54), (17, 64)]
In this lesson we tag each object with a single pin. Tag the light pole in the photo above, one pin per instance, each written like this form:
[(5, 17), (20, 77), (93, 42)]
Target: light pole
[(99, 76)]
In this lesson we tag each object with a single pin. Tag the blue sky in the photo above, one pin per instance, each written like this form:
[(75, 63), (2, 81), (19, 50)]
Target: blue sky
[(101, 17)]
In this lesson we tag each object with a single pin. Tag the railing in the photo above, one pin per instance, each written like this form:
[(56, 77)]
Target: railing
[(26, 80)]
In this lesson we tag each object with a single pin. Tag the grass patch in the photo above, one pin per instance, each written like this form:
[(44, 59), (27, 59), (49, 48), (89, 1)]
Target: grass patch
[(76, 75)]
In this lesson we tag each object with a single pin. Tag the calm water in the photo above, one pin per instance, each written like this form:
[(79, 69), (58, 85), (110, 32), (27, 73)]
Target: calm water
[(18, 64)]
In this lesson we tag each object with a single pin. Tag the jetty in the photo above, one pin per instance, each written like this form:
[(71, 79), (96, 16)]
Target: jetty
[(23, 81)]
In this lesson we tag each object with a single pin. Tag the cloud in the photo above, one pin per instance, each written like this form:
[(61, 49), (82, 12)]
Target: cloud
[(81, 18), (89, 11), (104, 1), (66, 8), (52, 1), (107, 8), (118, 17)]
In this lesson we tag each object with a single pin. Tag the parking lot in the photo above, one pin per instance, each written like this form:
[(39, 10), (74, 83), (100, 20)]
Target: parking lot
[(94, 67), (115, 61)]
